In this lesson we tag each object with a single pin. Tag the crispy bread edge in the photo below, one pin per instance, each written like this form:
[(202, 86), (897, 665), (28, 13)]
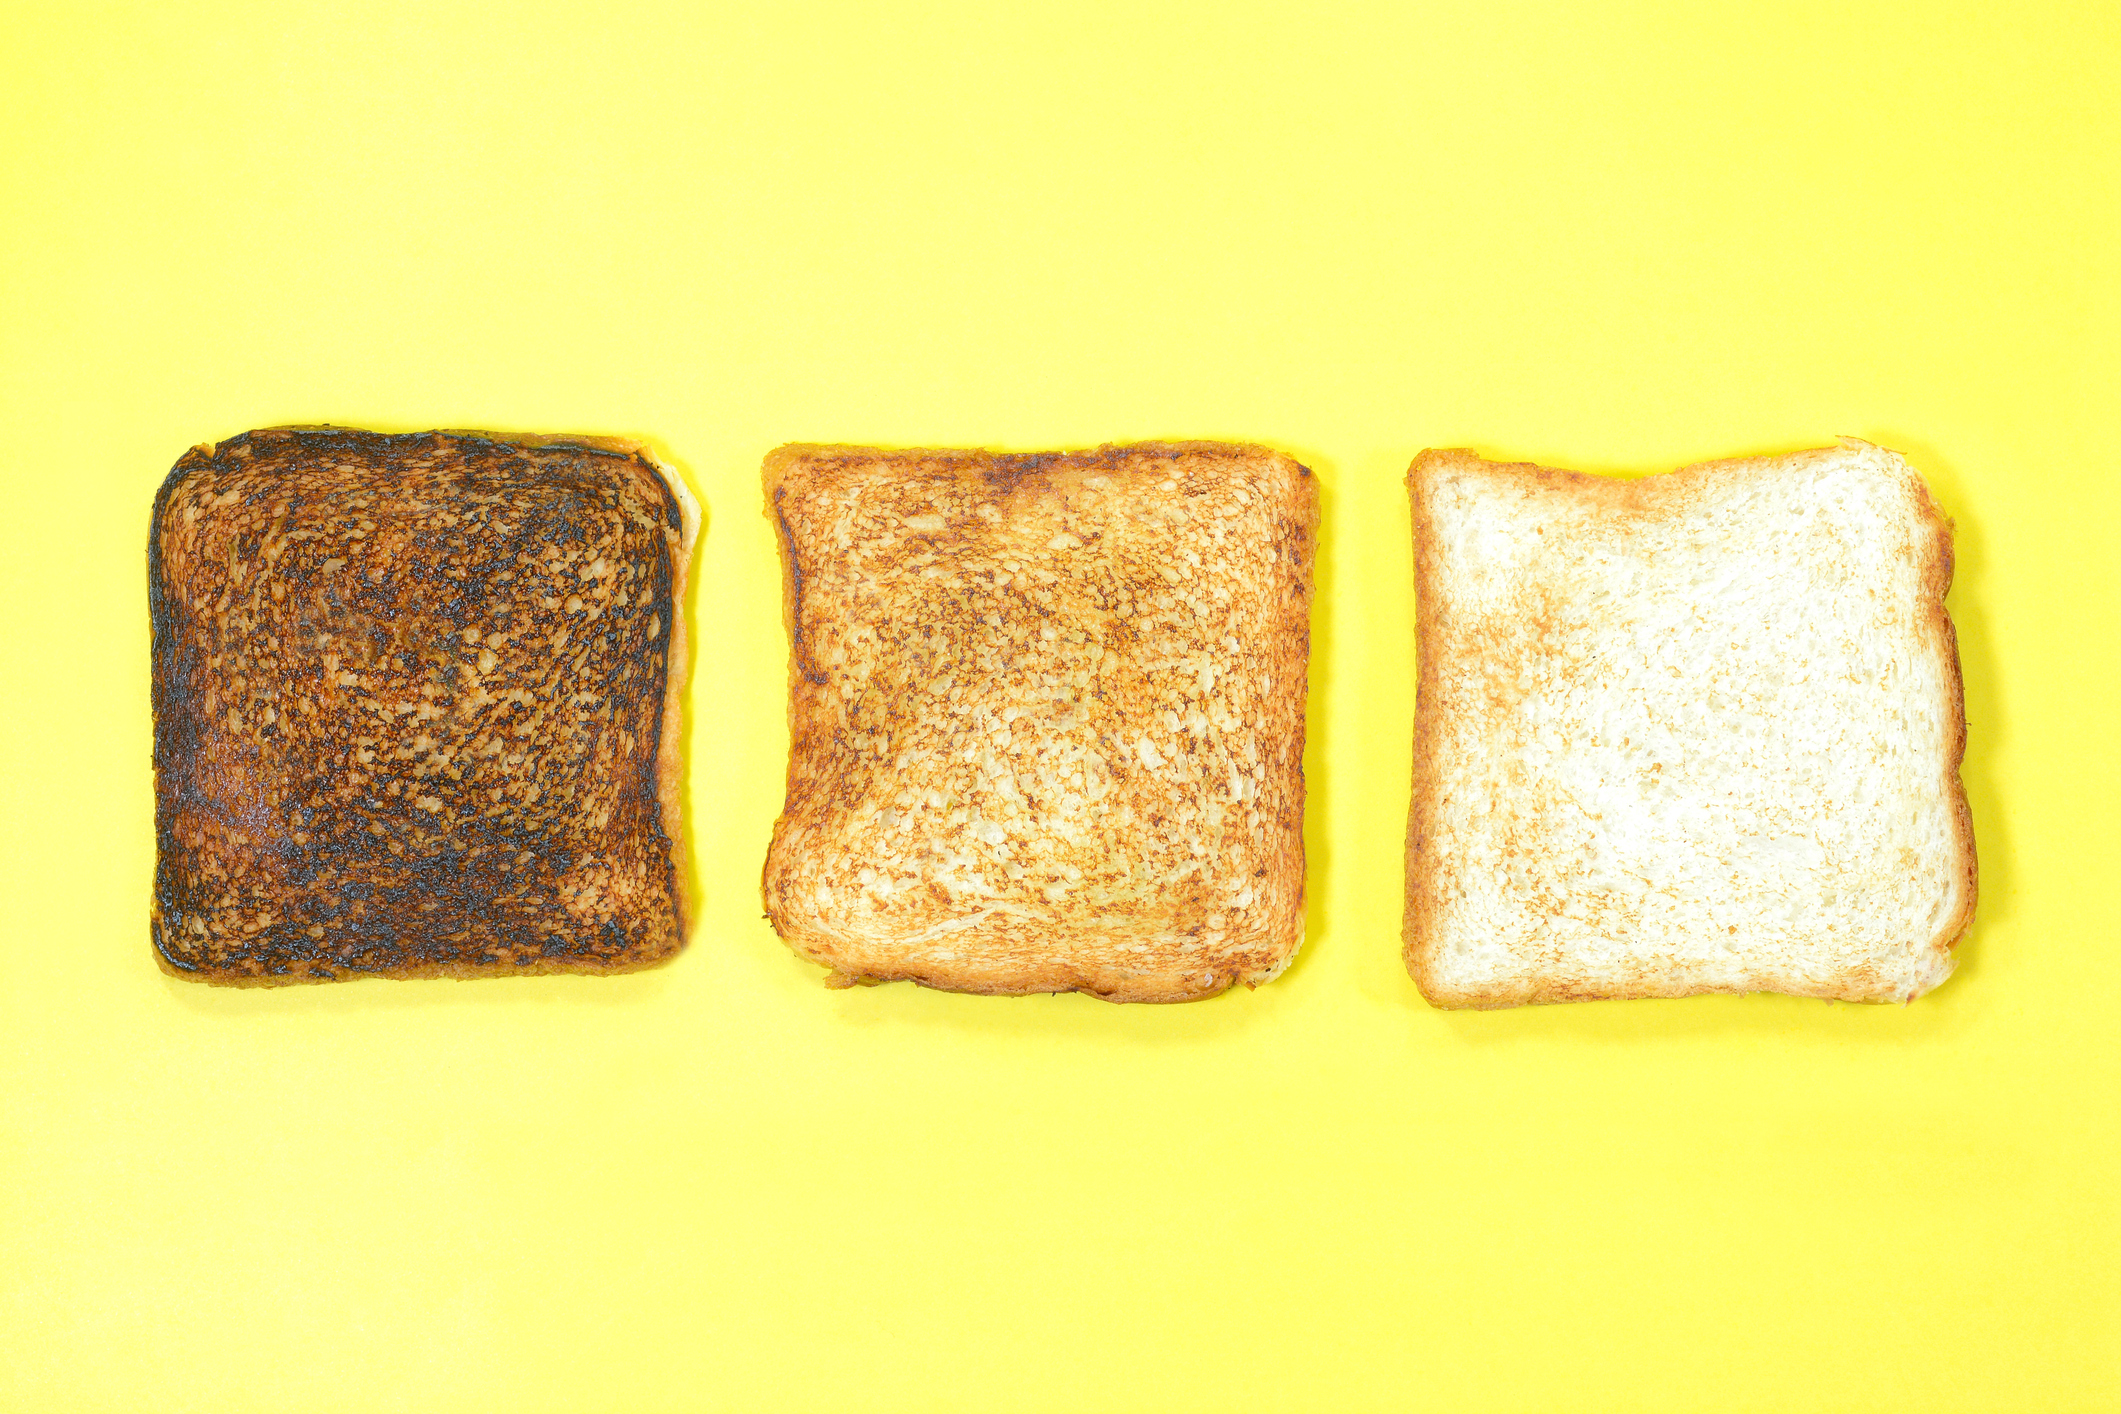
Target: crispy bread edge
[(669, 771), (669, 763), (160, 642), (1937, 583), (1417, 918), (1418, 915), (462, 972), (787, 464)]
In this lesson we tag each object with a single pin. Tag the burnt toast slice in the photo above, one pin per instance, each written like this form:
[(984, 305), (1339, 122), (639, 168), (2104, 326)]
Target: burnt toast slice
[(416, 706), (1046, 716)]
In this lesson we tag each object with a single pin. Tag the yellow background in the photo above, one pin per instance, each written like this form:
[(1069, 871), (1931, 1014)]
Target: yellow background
[(1611, 237)]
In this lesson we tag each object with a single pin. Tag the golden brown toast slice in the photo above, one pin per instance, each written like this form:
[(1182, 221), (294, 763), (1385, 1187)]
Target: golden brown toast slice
[(1046, 716), (416, 706)]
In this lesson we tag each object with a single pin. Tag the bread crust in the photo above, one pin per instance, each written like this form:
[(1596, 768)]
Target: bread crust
[(411, 779), (1937, 582), (1418, 908), (1639, 496), (1138, 951)]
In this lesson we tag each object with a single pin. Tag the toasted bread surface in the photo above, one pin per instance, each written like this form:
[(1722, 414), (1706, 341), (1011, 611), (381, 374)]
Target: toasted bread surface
[(416, 706), (1696, 732), (1046, 716)]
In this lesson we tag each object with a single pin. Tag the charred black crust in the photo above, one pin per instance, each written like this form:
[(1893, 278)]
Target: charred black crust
[(488, 850), (794, 561)]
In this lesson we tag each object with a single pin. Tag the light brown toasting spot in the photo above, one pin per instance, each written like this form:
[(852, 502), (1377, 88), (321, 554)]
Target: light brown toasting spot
[(1046, 716)]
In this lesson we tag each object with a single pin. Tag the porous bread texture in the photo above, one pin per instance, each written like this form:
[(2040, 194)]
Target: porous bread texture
[(1046, 716), (416, 704), (1696, 732)]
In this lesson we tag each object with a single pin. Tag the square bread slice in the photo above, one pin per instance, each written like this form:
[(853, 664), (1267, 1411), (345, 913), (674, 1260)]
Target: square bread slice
[(1046, 716), (416, 706), (1697, 732)]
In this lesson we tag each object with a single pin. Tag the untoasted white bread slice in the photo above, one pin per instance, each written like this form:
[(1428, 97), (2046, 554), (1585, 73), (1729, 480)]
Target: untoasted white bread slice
[(1697, 732), (1046, 716)]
